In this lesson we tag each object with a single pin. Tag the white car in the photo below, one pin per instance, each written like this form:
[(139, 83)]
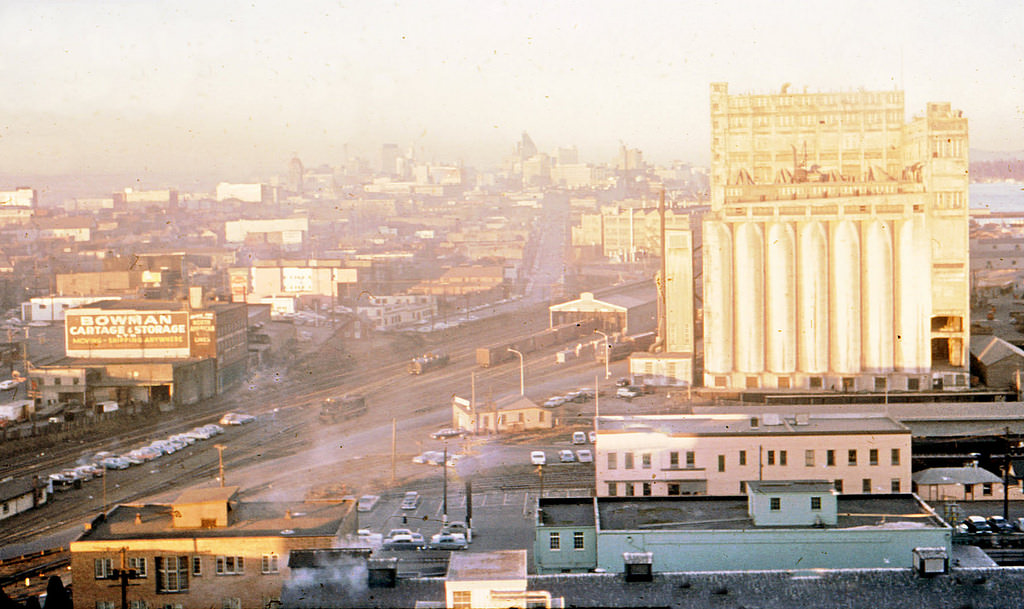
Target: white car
[(538, 457), (566, 456), (411, 500), (584, 455), (366, 502), (555, 401), (8, 384), (236, 418)]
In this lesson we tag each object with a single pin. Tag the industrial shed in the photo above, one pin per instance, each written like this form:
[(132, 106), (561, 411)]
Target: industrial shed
[(629, 313), (997, 362)]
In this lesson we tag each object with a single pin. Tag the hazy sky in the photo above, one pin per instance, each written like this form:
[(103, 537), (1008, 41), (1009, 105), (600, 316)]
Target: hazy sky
[(234, 89)]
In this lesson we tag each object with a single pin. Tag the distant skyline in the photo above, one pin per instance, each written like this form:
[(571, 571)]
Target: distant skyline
[(235, 89)]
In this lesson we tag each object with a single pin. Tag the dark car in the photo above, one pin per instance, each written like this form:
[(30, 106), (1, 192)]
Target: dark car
[(976, 525), (1000, 524)]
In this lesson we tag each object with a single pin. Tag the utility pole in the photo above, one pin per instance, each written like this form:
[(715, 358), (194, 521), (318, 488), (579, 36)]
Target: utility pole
[(522, 384), (220, 462), (1006, 476), (444, 487), (607, 355), (394, 446)]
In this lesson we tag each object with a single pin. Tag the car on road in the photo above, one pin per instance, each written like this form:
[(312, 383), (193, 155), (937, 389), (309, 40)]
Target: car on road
[(566, 456), (538, 457), (1000, 524), (367, 502), (456, 526), (8, 384), (447, 432), (584, 455), (403, 542), (411, 500), (579, 437), (448, 541), (554, 401)]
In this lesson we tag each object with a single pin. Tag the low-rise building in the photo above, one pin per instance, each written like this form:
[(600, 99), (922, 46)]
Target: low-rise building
[(206, 549), (969, 483), (510, 413), (796, 524), (665, 455), (20, 495), (387, 312)]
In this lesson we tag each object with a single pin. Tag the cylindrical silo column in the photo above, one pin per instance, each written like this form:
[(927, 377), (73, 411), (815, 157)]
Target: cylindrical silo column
[(717, 254), (748, 297), (876, 297), (780, 304), (812, 304), (845, 298), (913, 295)]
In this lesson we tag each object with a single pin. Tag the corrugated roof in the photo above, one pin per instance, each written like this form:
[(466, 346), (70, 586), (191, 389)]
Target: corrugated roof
[(992, 349), (954, 475)]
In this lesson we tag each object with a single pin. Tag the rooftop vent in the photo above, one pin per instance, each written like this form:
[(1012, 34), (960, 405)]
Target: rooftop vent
[(929, 562), (772, 418), (638, 566), (803, 419)]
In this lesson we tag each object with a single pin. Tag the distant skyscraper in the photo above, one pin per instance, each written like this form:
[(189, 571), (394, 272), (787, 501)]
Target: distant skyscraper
[(835, 251), (296, 173), (389, 159)]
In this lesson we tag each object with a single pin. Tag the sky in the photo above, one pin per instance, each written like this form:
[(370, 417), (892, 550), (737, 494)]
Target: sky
[(235, 89)]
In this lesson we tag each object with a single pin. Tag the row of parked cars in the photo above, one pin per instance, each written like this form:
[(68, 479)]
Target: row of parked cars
[(97, 464), (451, 537), (583, 455), (579, 396), (993, 525)]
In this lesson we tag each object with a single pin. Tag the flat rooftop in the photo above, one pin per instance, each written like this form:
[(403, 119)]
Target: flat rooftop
[(255, 519), (730, 513), (753, 424), (487, 566), (566, 512)]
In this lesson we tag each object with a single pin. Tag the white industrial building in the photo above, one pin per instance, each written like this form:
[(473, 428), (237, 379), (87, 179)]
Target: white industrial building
[(835, 252)]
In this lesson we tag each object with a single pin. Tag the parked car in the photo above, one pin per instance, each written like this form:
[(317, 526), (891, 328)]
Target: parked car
[(592, 436), (976, 525), (411, 500), (62, 481), (554, 401), (236, 418), (367, 502), (448, 541), (394, 532), (8, 384), (538, 457), (115, 463), (623, 382), (628, 392), (447, 432), (1000, 524), (431, 457), (402, 542), (584, 455), (566, 456), (1019, 524), (579, 437), (457, 526)]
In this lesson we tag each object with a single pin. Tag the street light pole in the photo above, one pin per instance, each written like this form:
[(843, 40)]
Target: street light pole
[(607, 355), (522, 386), (220, 462)]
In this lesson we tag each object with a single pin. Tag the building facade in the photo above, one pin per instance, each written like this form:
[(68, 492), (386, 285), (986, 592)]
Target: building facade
[(667, 455), (836, 248)]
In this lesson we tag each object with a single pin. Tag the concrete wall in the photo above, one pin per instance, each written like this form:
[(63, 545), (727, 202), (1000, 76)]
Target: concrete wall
[(566, 557)]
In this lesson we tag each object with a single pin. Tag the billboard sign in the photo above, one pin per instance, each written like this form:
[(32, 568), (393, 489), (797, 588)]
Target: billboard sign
[(127, 333), (296, 280)]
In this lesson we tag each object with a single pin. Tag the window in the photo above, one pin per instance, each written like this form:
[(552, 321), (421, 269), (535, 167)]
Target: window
[(462, 599), (171, 573), (894, 485), (743, 487), (197, 566), (895, 457), (690, 460), (809, 458), (138, 605), (986, 489), (782, 457), (873, 456), (647, 489), (629, 490), (105, 605), (743, 457), (673, 459), (851, 458), (815, 504), (103, 567), (839, 486), (721, 463), (230, 565), (613, 489), (139, 564), (771, 457), (645, 460), (674, 489), (627, 461), (577, 540), (7, 507), (830, 458), (865, 485), (554, 541), (268, 564), (231, 603), (775, 504)]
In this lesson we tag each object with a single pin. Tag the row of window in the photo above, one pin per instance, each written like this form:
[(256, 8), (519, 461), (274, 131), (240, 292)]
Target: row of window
[(674, 489), (226, 603), (775, 504), (172, 572), (555, 541), (772, 457)]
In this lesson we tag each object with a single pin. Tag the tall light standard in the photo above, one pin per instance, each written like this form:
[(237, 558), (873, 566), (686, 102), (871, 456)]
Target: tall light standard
[(522, 386), (607, 356)]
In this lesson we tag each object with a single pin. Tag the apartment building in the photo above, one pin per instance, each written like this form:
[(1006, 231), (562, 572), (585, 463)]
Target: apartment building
[(836, 249), (668, 455), (207, 549)]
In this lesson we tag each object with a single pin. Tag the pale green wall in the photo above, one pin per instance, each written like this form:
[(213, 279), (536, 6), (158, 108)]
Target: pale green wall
[(555, 561)]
